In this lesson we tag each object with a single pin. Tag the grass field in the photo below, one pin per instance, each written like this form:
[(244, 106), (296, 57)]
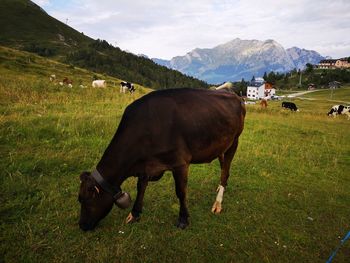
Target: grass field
[(288, 198)]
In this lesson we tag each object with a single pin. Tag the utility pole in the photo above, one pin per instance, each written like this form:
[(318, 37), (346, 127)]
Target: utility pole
[(66, 21), (299, 85), (332, 92)]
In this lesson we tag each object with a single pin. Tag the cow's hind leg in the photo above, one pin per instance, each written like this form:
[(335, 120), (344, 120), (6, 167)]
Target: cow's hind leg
[(225, 163), (180, 177)]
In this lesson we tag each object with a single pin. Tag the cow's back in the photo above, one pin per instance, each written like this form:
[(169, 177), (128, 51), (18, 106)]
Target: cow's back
[(196, 125)]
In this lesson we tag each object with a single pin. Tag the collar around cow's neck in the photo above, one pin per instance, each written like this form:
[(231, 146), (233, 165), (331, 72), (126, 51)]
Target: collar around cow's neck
[(116, 193)]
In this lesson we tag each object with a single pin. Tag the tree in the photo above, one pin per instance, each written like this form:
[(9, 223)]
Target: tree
[(309, 68), (265, 76)]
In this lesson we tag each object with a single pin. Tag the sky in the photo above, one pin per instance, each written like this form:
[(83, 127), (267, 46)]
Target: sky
[(165, 29)]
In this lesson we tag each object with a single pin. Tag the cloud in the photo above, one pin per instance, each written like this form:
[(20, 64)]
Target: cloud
[(42, 3), (165, 29)]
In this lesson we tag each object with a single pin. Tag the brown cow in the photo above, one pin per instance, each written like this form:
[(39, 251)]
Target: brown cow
[(164, 130), (67, 81), (263, 103)]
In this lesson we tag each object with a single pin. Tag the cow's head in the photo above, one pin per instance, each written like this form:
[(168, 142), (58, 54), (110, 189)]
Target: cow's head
[(334, 110), (95, 202), (330, 112)]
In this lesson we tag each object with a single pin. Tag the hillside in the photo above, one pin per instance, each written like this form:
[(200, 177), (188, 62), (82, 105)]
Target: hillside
[(16, 65), (239, 59), (319, 77), (26, 26)]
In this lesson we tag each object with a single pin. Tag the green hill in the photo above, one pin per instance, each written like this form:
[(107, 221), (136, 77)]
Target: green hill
[(302, 79), (34, 72), (28, 68), (26, 26)]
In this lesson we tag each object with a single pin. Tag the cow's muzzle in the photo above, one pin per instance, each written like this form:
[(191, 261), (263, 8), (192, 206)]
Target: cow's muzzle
[(123, 201)]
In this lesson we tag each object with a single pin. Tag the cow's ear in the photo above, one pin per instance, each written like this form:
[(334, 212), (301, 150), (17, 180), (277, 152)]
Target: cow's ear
[(84, 176)]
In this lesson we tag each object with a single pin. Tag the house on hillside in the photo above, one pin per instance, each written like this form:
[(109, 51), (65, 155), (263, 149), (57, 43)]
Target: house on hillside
[(342, 63), (269, 89), (334, 84), (258, 89), (334, 63), (311, 86)]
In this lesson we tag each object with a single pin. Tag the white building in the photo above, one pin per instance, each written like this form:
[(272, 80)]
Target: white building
[(256, 89), (269, 90)]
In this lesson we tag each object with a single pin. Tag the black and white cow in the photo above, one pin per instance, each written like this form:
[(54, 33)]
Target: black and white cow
[(339, 109), (126, 86), (289, 105)]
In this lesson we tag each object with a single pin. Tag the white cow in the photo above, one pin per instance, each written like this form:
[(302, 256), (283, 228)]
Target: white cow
[(99, 83), (52, 77)]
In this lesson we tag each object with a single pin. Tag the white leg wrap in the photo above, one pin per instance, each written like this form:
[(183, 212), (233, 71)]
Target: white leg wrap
[(220, 194), (217, 204)]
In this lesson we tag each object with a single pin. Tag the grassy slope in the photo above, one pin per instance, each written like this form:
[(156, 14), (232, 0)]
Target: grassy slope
[(19, 67), (287, 201)]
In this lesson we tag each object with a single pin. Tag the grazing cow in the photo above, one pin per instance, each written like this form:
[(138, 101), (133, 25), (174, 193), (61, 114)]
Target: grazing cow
[(52, 77), (170, 130), (126, 86), (99, 83), (339, 109), (263, 103), (289, 105), (67, 81)]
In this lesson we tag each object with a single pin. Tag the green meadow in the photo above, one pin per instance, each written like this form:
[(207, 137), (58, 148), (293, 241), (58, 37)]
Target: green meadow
[(288, 198)]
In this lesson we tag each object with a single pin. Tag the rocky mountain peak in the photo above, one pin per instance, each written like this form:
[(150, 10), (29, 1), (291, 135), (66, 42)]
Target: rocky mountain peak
[(237, 59)]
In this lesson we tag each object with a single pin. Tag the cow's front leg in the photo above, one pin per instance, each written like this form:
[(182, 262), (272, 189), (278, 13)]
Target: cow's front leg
[(136, 211), (180, 177)]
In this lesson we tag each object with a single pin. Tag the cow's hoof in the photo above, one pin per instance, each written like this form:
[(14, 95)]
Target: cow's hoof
[(216, 209), (182, 223), (131, 219)]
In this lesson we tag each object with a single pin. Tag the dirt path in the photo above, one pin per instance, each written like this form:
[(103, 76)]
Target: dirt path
[(298, 94)]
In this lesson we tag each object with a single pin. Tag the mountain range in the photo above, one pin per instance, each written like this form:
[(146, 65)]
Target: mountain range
[(239, 59)]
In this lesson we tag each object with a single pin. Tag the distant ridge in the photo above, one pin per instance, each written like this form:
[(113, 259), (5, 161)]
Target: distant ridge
[(239, 59)]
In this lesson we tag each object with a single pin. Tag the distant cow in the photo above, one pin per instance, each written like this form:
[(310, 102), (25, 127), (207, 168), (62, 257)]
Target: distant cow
[(126, 86), (263, 103), (99, 83), (289, 105), (165, 130), (52, 77), (339, 109), (67, 81)]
